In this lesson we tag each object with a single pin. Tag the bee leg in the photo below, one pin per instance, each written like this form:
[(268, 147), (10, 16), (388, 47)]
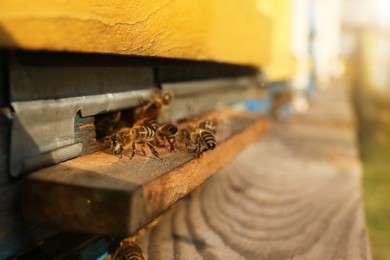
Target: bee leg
[(171, 141), (195, 150), (153, 150), (155, 142), (133, 150), (199, 146), (158, 141), (205, 149), (193, 143), (174, 143), (121, 152), (142, 149)]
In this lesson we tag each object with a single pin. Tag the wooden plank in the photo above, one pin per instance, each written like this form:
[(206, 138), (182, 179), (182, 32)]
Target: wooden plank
[(102, 194), (294, 194), (230, 31)]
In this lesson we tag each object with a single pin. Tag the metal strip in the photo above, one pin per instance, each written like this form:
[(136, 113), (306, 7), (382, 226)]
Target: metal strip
[(194, 98), (43, 130), (29, 83), (42, 126)]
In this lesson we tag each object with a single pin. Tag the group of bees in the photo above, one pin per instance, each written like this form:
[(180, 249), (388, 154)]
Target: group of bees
[(148, 131), (127, 250)]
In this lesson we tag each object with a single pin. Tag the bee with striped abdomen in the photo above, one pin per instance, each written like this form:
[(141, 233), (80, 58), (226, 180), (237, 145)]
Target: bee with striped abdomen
[(149, 122), (128, 251), (167, 131), (202, 138), (118, 140), (142, 135), (129, 137)]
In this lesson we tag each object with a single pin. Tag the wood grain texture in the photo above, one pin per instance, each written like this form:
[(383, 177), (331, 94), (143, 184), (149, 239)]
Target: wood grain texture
[(230, 31), (294, 194), (102, 194)]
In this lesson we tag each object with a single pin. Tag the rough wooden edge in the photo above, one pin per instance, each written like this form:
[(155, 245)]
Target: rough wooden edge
[(167, 28), (161, 193), (122, 207)]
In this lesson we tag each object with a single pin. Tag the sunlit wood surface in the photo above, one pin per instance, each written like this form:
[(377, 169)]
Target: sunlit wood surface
[(231, 31), (294, 194), (101, 194)]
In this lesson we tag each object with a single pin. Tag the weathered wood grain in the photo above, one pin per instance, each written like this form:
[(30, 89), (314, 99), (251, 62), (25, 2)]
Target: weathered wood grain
[(102, 194), (230, 31), (294, 194), (85, 133)]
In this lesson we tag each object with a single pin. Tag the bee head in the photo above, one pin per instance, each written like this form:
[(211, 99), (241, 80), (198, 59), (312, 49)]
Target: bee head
[(116, 146)]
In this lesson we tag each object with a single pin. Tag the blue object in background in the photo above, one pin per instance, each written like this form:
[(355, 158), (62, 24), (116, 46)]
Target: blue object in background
[(102, 256), (97, 250), (259, 105)]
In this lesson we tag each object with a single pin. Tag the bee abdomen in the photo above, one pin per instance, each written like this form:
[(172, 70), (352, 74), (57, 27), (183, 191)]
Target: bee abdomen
[(168, 129), (129, 251), (134, 256), (209, 139), (146, 133)]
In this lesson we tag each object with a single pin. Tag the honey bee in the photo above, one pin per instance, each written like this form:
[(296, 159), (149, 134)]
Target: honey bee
[(167, 131), (129, 137), (128, 251), (149, 122), (206, 124), (151, 108), (118, 140), (202, 138)]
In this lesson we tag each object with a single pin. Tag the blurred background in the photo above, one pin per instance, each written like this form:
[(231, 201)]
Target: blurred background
[(348, 43), (322, 43)]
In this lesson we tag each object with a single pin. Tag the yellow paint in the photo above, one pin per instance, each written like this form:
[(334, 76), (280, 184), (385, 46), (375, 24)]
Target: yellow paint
[(282, 64), (232, 31), (376, 60)]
